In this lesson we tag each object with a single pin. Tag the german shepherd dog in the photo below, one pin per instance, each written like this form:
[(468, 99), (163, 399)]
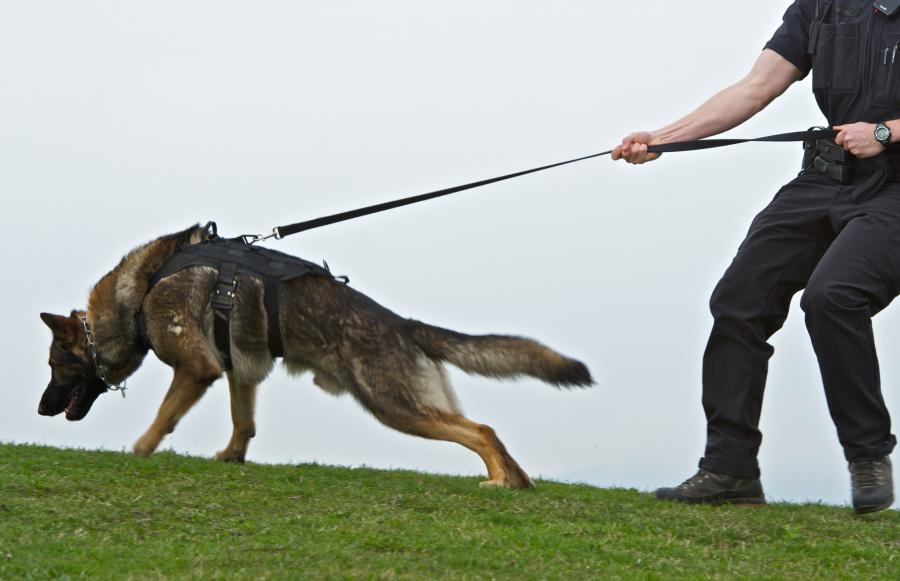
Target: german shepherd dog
[(391, 365)]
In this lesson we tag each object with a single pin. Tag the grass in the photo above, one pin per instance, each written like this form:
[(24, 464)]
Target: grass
[(68, 513)]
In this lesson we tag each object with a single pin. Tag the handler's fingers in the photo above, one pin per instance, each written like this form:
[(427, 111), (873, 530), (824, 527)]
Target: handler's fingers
[(644, 153), (840, 137), (634, 153), (639, 153), (617, 153)]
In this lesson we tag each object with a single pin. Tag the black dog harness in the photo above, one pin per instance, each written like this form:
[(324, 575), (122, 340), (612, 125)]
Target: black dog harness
[(230, 256)]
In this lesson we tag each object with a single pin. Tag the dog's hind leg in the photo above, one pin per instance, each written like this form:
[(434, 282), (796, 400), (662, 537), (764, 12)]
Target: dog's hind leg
[(414, 396), (243, 406), (188, 386), (502, 469)]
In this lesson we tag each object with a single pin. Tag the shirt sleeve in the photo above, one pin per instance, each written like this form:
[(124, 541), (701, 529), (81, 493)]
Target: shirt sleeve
[(791, 40)]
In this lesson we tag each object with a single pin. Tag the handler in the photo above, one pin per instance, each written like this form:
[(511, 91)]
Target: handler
[(834, 230)]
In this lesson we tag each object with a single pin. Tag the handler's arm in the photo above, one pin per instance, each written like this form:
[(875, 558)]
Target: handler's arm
[(771, 75)]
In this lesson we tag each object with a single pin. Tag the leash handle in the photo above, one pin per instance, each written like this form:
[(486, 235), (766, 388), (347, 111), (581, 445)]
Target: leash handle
[(280, 232)]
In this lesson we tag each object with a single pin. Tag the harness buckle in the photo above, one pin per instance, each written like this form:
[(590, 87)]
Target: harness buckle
[(223, 295)]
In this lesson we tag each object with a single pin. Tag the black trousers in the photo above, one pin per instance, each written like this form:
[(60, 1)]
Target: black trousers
[(846, 254)]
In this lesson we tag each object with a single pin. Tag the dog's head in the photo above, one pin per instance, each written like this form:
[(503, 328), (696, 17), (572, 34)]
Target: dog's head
[(74, 384)]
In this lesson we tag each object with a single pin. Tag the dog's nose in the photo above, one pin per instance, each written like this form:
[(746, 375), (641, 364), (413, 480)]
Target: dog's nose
[(42, 410)]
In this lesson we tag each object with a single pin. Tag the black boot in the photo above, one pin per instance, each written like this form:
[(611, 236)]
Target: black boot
[(707, 487), (873, 485)]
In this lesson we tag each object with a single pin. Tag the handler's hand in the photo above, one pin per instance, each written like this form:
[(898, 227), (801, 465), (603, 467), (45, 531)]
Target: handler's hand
[(634, 148), (858, 139)]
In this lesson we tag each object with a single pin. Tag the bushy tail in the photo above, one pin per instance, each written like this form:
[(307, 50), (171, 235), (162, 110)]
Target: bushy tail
[(499, 356)]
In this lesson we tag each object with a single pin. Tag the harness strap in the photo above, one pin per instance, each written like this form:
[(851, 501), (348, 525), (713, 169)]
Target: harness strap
[(141, 324), (273, 318), (222, 304)]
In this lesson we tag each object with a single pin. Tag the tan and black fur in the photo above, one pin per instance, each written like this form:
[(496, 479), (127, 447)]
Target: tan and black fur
[(391, 365)]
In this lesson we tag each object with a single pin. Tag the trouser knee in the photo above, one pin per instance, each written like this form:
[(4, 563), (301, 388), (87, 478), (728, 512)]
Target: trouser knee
[(737, 301), (730, 297), (826, 299)]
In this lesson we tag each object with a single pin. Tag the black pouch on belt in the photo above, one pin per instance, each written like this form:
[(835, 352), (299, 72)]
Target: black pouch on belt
[(830, 159)]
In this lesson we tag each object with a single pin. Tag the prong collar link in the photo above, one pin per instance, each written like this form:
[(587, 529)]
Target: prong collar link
[(102, 371)]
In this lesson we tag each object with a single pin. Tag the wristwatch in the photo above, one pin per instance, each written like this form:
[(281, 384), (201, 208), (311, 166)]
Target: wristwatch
[(883, 134)]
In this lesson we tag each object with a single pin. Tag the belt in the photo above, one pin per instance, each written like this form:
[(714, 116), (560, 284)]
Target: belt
[(835, 162)]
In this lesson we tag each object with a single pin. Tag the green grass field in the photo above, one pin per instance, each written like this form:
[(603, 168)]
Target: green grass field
[(67, 513)]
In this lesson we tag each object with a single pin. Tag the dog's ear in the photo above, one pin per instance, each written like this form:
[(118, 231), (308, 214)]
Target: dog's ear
[(64, 328)]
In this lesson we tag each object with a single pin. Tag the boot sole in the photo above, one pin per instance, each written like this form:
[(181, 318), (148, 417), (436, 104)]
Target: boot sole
[(718, 499), (873, 508), (756, 501)]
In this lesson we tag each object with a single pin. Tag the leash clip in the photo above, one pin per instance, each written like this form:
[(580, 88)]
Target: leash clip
[(251, 239)]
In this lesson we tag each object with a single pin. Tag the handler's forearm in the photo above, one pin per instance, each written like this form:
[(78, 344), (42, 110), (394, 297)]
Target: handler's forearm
[(770, 76), (724, 111)]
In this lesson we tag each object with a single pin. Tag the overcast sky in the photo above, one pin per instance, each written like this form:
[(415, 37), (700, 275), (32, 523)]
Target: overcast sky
[(123, 121)]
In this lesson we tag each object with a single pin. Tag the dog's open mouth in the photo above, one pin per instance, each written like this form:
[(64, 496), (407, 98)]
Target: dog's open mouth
[(71, 413)]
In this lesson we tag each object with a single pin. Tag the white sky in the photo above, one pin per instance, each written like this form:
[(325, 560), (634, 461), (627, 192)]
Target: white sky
[(122, 121)]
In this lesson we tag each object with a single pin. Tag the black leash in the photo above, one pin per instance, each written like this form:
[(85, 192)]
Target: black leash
[(282, 231)]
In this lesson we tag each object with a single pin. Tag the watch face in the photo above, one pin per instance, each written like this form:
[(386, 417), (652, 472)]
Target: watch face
[(882, 133)]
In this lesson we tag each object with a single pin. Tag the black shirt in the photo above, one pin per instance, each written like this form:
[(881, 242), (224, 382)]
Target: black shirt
[(853, 53)]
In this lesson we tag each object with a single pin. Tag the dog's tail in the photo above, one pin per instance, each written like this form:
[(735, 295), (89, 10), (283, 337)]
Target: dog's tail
[(499, 356)]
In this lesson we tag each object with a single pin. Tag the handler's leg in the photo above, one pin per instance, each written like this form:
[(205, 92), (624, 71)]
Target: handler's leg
[(856, 279), (750, 303)]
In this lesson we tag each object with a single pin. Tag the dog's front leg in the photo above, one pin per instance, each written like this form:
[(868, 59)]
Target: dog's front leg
[(243, 406), (188, 386)]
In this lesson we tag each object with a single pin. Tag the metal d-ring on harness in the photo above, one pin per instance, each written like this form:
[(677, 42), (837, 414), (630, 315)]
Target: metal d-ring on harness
[(102, 371)]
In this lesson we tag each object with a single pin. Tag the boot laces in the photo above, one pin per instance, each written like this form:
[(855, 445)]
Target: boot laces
[(696, 480), (867, 473)]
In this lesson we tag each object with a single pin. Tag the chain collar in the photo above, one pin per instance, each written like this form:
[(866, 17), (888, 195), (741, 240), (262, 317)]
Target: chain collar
[(101, 369)]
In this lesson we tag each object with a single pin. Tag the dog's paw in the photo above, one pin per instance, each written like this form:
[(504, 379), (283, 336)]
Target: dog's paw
[(518, 480), (523, 485), (494, 484), (142, 449), (228, 455)]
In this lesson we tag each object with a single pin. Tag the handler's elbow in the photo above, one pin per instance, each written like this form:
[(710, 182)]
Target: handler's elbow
[(758, 92)]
